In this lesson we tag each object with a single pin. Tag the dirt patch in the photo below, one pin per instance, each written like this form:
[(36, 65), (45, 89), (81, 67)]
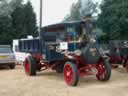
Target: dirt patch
[(48, 83)]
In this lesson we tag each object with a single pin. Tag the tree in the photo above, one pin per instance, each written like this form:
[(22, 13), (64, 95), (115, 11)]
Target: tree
[(7, 6), (74, 13), (113, 19), (17, 20), (81, 9), (29, 20), (87, 7), (6, 30), (24, 21)]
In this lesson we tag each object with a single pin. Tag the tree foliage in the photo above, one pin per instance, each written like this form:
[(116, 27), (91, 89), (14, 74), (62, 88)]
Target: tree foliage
[(6, 30), (17, 20), (29, 20), (74, 13), (114, 19), (24, 21), (81, 9), (7, 6), (87, 7)]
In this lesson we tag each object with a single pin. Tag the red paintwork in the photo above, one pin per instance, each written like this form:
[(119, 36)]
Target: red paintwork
[(82, 74), (68, 74), (118, 60), (84, 69), (115, 59), (102, 71), (42, 64), (53, 66), (27, 67)]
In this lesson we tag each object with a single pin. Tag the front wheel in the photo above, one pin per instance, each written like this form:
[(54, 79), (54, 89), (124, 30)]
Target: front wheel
[(104, 70), (70, 74)]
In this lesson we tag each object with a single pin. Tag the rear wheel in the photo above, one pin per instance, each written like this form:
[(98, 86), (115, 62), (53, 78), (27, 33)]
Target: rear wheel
[(30, 66), (70, 74), (104, 71)]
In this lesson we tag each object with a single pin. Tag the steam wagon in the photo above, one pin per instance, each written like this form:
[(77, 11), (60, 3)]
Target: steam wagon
[(119, 53), (68, 48)]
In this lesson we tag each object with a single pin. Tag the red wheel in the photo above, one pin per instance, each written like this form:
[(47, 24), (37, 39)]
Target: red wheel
[(27, 66), (104, 71), (30, 66), (70, 74)]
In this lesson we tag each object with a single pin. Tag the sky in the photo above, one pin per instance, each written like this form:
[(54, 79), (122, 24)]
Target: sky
[(54, 11)]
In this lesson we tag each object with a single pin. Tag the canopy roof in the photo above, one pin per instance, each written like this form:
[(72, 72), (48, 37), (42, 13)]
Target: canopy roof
[(61, 26)]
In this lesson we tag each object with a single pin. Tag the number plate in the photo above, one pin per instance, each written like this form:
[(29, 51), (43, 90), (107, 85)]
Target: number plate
[(3, 57)]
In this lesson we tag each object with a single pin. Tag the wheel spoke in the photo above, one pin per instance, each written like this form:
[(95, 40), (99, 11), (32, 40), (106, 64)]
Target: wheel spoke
[(101, 71), (68, 74)]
